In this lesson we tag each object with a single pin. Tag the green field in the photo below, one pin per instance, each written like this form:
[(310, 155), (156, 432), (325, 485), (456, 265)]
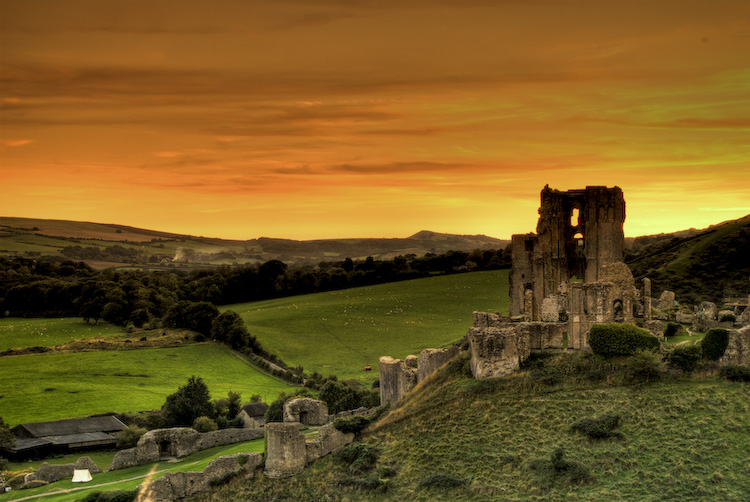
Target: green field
[(340, 332), (18, 332), (42, 387), (130, 478)]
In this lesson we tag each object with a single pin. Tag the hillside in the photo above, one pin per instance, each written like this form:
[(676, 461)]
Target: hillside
[(708, 265), (457, 439), (109, 245)]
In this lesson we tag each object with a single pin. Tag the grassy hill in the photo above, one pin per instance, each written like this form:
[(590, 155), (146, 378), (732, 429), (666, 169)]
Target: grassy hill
[(458, 439), (84, 383), (109, 245), (709, 265), (340, 332)]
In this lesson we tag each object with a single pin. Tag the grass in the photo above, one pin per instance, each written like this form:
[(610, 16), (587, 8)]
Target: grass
[(102, 458), (121, 479), (18, 332), (340, 332), (44, 387), (684, 439)]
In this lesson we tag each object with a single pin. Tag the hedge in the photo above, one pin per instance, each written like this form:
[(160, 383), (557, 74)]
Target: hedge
[(610, 340), (714, 343)]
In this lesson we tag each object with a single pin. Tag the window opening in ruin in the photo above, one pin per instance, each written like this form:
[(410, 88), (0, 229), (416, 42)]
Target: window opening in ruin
[(574, 217), (618, 311), (579, 239), (303, 417), (529, 245)]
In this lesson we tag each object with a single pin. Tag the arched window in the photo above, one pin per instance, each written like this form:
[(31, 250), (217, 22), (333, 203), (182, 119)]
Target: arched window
[(574, 217), (578, 237)]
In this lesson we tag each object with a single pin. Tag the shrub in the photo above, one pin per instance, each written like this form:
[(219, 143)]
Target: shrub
[(685, 357), (598, 428), (735, 373), (440, 481), (360, 457), (727, 318), (372, 483), (205, 424), (715, 343), (558, 469), (645, 365), (352, 424), (610, 340), (128, 438)]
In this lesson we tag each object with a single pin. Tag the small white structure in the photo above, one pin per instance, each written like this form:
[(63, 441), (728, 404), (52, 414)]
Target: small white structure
[(81, 476)]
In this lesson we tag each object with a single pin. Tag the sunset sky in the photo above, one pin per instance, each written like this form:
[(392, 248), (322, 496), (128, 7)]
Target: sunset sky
[(343, 118)]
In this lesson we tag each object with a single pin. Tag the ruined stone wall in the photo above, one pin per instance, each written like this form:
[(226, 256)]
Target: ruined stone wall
[(738, 349), (177, 485), (285, 449), (496, 352), (49, 473), (178, 442), (306, 411), (563, 247), (588, 305), (399, 377)]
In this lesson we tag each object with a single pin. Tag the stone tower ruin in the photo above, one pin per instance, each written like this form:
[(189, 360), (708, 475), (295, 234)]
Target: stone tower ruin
[(579, 232)]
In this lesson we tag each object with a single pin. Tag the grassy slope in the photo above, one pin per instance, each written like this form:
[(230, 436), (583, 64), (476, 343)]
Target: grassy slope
[(80, 384), (121, 479), (684, 440), (20, 332), (340, 332)]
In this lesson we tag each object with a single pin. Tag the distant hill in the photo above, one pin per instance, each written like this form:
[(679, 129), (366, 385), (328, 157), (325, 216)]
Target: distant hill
[(697, 265), (110, 245)]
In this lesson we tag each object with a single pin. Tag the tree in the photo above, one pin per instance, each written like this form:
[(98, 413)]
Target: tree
[(188, 403), (7, 438)]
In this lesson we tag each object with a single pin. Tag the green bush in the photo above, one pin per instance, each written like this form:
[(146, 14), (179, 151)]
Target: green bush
[(372, 483), (440, 481), (610, 340), (205, 424), (685, 357), (644, 365), (557, 469), (735, 373), (715, 343), (598, 428), (352, 424), (360, 457), (727, 318), (128, 438)]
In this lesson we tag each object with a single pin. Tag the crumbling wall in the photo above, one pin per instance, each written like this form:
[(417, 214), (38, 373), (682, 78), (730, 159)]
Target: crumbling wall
[(329, 440), (306, 411), (578, 232), (177, 485), (48, 473), (496, 352), (738, 349), (178, 442), (588, 305), (286, 453), (399, 377)]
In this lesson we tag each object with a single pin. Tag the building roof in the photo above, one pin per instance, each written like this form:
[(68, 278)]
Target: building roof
[(255, 409), (23, 444), (85, 437), (107, 423)]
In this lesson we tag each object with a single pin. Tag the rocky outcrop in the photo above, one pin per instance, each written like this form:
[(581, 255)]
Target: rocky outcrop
[(666, 300), (49, 473), (738, 349), (176, 485), (306, 411)]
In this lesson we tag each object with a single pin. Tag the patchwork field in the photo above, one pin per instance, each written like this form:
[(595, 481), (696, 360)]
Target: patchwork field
[(36, 388), (340, 332), (18, 332)]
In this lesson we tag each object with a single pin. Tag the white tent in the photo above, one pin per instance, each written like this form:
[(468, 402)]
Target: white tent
[(81, 475)]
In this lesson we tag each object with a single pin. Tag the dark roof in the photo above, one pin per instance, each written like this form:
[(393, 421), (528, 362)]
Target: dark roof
[(108, 423), (28, 444), (85, 437), (256, 409)]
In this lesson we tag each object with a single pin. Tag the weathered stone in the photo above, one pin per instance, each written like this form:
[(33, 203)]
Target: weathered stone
[(395, 379), (328, 440), (49, 473), (588, 305), (489, 320), (708, 311), (306, 411), (551, 309), (726, 314), (542, 335), (738, 349), (34, 483), (666, 300), (432, 359), (411, 361), (496, 352), (529, 305), (286, 450), (623, 294), (646, 296), (578, 232), (656, 328), (744, 318), (684, 317), (703, 324)]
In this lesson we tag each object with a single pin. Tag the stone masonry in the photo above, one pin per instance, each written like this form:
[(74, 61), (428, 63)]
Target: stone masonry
[(285, 449), (48, 473), (306, 411), (398, 377)]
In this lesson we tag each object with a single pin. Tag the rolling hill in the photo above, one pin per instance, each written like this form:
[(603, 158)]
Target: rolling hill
[(109, 245)]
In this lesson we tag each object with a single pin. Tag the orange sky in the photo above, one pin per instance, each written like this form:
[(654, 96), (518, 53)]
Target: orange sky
[(345, 118)]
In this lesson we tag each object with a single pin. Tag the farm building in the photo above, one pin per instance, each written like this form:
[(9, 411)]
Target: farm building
[(253, 415), (39, 439)]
